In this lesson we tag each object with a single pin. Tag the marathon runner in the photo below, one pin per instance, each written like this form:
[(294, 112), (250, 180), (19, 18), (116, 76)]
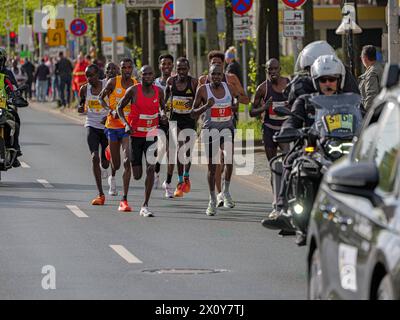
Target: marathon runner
[(90, 103), (115, 130), (268, 95), (182, 89), (166, 65), (218, 57), (147, 105), (216, 101)]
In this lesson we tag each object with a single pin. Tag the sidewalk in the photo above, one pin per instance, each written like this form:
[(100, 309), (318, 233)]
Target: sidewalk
[(259, 179)]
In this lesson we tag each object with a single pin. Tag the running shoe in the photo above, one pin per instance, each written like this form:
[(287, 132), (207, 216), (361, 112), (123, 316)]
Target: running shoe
[(156, 183), (220, 199), (179, 190), (169, 191), (124, 207), (99, 200), (145, 212), (228, 202), (113, 186), (186, 185), (212, 209)]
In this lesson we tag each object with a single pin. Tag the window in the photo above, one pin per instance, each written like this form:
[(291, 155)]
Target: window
[(387, 148)]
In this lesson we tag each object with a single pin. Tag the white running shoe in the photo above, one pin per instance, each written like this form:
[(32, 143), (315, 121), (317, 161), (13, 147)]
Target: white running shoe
[(156, 184), (113, 186), (228, 202), (212, 209), (220, 200), (169, 190), (145, 212), (104, 173)]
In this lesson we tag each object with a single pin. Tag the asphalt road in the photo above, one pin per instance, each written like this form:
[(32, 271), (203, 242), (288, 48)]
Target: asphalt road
[(105, 254)]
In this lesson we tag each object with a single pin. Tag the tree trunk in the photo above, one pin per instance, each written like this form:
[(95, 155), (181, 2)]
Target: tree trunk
[(211, 26), (228, 24), (308, 22), (273, 29), (145, 36), (156, 29), (261, 52)]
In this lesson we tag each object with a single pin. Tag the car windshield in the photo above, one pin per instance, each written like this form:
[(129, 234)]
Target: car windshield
[(337, 116)]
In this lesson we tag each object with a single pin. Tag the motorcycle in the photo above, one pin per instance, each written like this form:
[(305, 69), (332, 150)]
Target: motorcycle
[(338, 119), (8, 126)]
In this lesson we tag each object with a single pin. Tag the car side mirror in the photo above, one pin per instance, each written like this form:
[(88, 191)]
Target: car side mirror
[(358, 179)]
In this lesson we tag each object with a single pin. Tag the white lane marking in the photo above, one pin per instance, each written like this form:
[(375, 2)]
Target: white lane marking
[(45, 183), (125, 254), (76, 211), (25, 165)]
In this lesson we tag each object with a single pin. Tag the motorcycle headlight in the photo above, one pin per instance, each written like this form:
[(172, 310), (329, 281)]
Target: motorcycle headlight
[(336, 149), (298, 208)]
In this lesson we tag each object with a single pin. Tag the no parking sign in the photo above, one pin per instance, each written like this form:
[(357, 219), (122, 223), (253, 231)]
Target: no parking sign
[(168, 13), (78, 27)]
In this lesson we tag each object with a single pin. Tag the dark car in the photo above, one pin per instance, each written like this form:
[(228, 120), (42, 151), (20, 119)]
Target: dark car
[(354, 232)]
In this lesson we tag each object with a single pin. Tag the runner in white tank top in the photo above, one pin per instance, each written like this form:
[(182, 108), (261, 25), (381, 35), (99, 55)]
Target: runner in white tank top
[(215, 101)]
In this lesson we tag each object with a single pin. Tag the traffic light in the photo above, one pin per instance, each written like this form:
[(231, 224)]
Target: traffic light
[(13, 38)]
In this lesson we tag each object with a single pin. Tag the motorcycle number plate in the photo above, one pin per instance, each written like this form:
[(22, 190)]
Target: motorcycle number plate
[(342, 122)]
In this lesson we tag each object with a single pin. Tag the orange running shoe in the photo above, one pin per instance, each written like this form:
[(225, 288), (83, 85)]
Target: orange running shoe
[(179, 190), (99, 200), (186, 185), (124, 207)]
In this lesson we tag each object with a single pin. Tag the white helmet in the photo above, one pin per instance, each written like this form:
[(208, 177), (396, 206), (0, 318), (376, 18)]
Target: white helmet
[(311, 52), (328, 65)]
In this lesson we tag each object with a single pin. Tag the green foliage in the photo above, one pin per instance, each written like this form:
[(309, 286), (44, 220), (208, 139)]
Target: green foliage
[(251, 125), (287, 65), (252, 77)]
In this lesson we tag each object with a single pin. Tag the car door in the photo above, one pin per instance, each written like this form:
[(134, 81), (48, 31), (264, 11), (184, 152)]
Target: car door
[(359, 223)]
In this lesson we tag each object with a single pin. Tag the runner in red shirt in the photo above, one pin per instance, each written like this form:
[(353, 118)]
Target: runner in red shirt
[(147, 107)]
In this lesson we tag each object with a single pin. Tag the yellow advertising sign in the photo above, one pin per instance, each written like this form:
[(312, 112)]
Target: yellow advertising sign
[(57, 37)]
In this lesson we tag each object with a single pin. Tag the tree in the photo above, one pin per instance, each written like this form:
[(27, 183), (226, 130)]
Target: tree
[(211, 26), (273, 28), (308, 22), (261, 52), (145, 38), (228, 24)]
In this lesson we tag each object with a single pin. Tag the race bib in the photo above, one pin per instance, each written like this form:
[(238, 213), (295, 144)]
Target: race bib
[(95, 106), (179, 104), (221, 113), (271, 112)]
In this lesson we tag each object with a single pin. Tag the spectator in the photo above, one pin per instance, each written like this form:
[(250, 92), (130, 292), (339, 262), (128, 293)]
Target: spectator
[(29, 70), (370, 80), (53, 79), (79, 74), (232, 66), (42, 77), (64, 72), (18, 72)]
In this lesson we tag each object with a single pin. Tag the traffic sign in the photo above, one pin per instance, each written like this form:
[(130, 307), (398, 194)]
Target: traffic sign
[(145, 4), (168, 13), (293, 30), (293, 16), (8, 24), (294, 3), (78, 27), (241, 27), (57, 37), (241, 6), (173, 34), (95, 10)]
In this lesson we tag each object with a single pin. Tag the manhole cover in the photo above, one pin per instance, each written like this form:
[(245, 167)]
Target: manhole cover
[(185, 271)]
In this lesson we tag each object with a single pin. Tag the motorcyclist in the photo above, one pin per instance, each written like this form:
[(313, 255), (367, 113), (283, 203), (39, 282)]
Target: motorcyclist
[(8, 84), (302, 82), (328, 78)]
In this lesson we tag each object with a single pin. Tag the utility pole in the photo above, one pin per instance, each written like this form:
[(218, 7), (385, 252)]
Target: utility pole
[(41, 38), (114, 55), (393, 32)]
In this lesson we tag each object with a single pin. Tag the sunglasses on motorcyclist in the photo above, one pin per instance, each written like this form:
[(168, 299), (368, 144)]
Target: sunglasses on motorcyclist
[(327, 79)]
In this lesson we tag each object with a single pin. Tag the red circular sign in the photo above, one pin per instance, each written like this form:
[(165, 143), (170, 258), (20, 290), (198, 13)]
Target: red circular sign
[(168, 13), (241, 6), (78, 27), (294, 3)]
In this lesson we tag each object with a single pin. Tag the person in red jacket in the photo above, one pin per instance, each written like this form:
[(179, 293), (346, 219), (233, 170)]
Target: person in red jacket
[(79, 76)]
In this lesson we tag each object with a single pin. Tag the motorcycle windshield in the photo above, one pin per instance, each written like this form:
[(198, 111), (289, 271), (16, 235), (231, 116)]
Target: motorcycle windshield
[(337, 116)]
